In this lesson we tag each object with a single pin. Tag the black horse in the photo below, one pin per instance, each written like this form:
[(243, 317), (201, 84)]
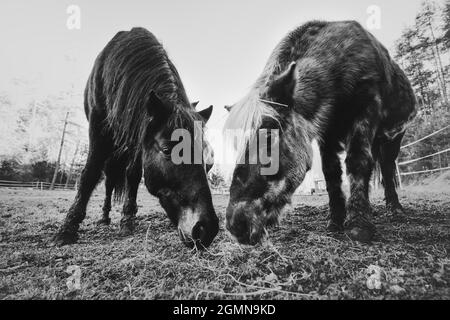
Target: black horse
[(134, 100), (338, 85)]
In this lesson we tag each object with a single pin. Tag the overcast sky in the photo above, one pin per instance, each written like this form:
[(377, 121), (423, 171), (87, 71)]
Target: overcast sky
[(219, 47)]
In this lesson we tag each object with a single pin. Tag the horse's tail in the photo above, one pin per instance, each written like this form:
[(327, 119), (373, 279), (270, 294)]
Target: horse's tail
[(376, 154), (397, 184), (119, 186), (115, 169)]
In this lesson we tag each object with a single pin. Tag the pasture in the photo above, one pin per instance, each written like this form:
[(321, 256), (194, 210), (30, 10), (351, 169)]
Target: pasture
[(298, 261)]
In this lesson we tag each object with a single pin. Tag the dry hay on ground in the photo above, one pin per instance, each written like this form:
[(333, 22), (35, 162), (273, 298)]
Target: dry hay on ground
[(298, 261)]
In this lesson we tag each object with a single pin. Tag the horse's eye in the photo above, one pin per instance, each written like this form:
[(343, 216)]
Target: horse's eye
[(166, 150)]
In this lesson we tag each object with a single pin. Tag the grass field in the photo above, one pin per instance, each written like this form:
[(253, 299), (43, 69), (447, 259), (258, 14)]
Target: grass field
[(298, 261)]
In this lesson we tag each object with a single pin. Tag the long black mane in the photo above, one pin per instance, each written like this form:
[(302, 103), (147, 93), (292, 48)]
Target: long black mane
[(134, 99), (132, 65), (299, 43)]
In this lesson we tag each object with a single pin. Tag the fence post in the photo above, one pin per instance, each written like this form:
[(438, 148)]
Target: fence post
[(42, 187), (55, 174)]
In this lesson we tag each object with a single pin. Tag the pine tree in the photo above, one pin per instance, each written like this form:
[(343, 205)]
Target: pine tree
[(429, 42)]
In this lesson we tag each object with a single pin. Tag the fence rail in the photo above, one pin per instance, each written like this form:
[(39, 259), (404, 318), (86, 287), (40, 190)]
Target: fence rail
[(421, 158), (41, 185), (424, 157), (423, 171), (426, 137), (38, 185)]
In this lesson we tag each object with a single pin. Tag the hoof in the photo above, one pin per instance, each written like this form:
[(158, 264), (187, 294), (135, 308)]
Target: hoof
[(104, 222), (360, 229), (334, 227), (126, 229), (395, 210), (360, 234), (272, 222), (65, 237)]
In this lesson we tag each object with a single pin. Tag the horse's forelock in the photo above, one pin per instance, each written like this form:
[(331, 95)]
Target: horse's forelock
[(183, 117), (247, 116), (249, 113)]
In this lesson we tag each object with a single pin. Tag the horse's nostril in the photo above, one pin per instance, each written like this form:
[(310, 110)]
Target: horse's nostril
[(204, 232), (254, 238), (199, 232), (240, 226)]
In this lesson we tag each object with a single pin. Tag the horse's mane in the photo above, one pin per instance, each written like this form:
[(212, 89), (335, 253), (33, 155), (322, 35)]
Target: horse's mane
[(248, 113), (135, 63)]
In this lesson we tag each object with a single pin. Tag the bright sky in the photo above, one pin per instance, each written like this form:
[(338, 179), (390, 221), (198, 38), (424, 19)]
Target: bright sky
[(219, 47)]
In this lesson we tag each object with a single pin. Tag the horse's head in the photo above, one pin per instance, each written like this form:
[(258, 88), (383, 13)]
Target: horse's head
[(262, 186), (175, 169)]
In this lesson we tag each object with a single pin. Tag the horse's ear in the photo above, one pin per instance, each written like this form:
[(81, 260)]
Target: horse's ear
[(157, 108), (280, 89), (206, 113), (194, 104), (228, 108)]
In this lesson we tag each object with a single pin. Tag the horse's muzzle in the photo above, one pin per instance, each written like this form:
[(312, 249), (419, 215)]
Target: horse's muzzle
[(196, 230), (242, 223)]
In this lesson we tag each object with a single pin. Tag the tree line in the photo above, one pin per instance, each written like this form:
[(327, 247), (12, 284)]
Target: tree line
[(32, 131), (423, 51), (32, 127)]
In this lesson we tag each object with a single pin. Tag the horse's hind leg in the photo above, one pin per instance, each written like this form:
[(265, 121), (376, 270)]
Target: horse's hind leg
[(359, 163), (133, 177), (110, 182), (99, 151), (388, 153), (331, 167), (114, 171)]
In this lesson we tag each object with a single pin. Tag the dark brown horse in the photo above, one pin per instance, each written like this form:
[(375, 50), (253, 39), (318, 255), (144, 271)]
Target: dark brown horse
[(338, 85), (134, 100)]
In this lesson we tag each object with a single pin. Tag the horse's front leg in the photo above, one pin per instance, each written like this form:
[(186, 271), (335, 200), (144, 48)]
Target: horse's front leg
[(359, 163), (332, 171), (68, 232)]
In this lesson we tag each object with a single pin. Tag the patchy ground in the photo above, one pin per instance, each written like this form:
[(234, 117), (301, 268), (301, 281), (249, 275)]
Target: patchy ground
[(408, 260)]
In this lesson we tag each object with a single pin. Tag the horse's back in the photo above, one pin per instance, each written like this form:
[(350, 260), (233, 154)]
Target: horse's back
[(119, 60), (344, 61), (351, 54), (399, 105), (131, 66)]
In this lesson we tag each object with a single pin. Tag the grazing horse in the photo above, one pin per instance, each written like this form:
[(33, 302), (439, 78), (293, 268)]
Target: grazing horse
[(334, 82), (134, 100)]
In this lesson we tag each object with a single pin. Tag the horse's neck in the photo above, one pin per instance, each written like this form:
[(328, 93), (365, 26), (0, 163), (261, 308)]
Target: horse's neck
[(298, 136), (300, 128)]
